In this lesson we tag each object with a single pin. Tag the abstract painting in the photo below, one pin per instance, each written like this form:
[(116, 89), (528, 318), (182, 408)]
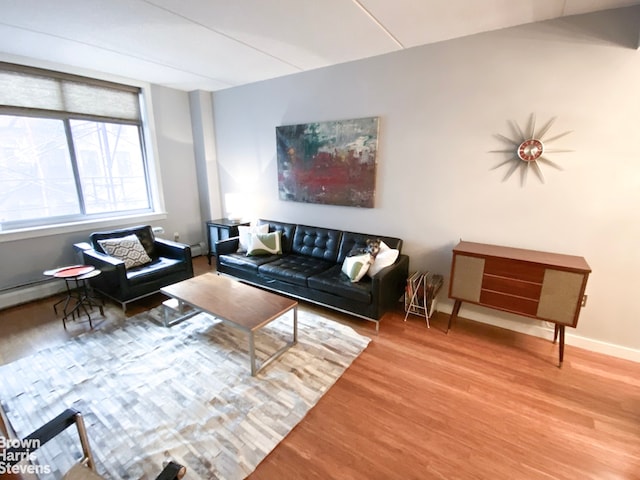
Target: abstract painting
[(332, 163)]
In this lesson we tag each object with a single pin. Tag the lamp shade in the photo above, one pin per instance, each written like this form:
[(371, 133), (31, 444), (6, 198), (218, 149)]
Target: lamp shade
[(234, 205)]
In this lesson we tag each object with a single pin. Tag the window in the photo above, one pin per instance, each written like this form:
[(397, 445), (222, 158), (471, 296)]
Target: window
[(71, 149)]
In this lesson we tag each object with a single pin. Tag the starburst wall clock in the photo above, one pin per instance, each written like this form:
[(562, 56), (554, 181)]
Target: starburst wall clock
[(529, 149)]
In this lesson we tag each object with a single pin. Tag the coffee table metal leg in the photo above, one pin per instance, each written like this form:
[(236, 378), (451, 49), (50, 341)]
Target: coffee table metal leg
[(252, 347), (295, 324), (252, 353), (176, 306)]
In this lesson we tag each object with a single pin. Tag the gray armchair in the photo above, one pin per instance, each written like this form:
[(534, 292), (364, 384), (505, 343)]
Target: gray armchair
[(166, 262)]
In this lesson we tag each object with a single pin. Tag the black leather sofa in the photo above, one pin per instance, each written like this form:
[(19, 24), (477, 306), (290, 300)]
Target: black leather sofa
[(310, 265), (170, 263)]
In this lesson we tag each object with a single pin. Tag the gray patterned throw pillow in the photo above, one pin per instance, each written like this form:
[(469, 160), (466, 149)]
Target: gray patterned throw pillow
[(128, 249)]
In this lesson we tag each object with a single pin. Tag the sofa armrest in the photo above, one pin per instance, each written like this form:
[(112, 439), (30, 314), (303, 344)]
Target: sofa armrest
[(388, 285), (114, 273), (169, 249), (227, 246), (175, 250), (102, 261)]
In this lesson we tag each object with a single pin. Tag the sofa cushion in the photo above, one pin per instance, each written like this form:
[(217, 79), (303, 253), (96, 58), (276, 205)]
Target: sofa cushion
[(294, 268), (159, 268), (240, 260), (337, 283), (316, 242)]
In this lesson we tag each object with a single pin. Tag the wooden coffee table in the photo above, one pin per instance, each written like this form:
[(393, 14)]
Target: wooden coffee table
[(241, 306)]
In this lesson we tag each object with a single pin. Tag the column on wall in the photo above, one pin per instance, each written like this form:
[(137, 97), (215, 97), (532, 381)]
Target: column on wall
[(201, 104)]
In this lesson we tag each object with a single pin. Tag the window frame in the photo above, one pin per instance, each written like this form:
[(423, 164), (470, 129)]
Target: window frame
[(146, 134)]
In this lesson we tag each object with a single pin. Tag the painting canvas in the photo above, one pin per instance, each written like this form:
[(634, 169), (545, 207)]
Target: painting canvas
[(332, 163)]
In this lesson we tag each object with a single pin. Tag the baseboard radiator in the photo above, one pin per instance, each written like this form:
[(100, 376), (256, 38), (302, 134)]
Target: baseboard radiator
[(30, 292)]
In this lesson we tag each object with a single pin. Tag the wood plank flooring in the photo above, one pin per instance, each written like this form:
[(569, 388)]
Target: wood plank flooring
[(479, 403)]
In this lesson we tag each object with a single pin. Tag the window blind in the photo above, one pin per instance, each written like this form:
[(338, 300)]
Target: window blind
[(31, 88)]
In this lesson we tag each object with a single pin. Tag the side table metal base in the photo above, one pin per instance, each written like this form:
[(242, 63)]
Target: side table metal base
[(79, 294)]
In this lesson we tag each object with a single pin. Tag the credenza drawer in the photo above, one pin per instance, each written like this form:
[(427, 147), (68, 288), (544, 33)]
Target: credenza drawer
[(511, 286), (511, 303), (505, 267)]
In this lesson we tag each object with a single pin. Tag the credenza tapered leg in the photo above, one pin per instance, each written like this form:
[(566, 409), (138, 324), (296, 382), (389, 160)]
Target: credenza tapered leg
[(555, 333), (454, 313), (561, 328)]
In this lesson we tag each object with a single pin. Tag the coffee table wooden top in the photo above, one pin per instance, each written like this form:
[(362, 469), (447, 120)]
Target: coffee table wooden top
[(247, 307)]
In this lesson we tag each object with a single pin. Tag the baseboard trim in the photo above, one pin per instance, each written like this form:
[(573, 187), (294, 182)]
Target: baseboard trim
[(18, 296), (545, 330)]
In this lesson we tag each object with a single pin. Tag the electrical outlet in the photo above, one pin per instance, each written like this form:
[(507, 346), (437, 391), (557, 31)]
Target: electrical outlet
[(176, 236)]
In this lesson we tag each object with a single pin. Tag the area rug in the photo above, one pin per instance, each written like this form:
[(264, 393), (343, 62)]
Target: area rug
[(150, 394)]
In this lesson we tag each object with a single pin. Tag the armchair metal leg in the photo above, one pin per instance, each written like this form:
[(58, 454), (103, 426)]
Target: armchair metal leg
[(84, 442)]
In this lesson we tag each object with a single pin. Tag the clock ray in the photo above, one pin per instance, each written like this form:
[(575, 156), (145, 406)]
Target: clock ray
[(512, 169), (530, 150), (559, 136), (516, 128), (524, 170), (546, 161), (504, 163), (532, 126), (537, 171), (546, 128), (507, 139)]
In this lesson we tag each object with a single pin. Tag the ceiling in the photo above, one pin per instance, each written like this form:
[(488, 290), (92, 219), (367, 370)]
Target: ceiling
[(217, 44)]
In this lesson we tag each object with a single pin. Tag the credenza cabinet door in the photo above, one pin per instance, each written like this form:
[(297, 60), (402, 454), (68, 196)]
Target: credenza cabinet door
[(467, 278), (561, 296)]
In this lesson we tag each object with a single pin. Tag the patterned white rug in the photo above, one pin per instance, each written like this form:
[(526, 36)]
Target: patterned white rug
[(150, 393)]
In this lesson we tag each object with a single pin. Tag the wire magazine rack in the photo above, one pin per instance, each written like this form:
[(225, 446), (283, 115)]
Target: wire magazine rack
[(421, 294)]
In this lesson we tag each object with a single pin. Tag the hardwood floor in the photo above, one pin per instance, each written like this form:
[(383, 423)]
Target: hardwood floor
[(478, 403)]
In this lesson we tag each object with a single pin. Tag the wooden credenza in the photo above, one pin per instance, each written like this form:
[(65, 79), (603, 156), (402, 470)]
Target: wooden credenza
[(541, 285)]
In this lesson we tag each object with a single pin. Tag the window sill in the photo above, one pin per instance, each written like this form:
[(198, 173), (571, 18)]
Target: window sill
[(104, 223)]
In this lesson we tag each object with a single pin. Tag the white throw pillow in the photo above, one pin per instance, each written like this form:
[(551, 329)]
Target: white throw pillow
[(386, 256), (244, 234), (355, 267), (128, 249), (264, 244)]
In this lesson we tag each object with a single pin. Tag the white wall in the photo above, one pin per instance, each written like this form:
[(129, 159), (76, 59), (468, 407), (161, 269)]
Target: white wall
[(440, 107)]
